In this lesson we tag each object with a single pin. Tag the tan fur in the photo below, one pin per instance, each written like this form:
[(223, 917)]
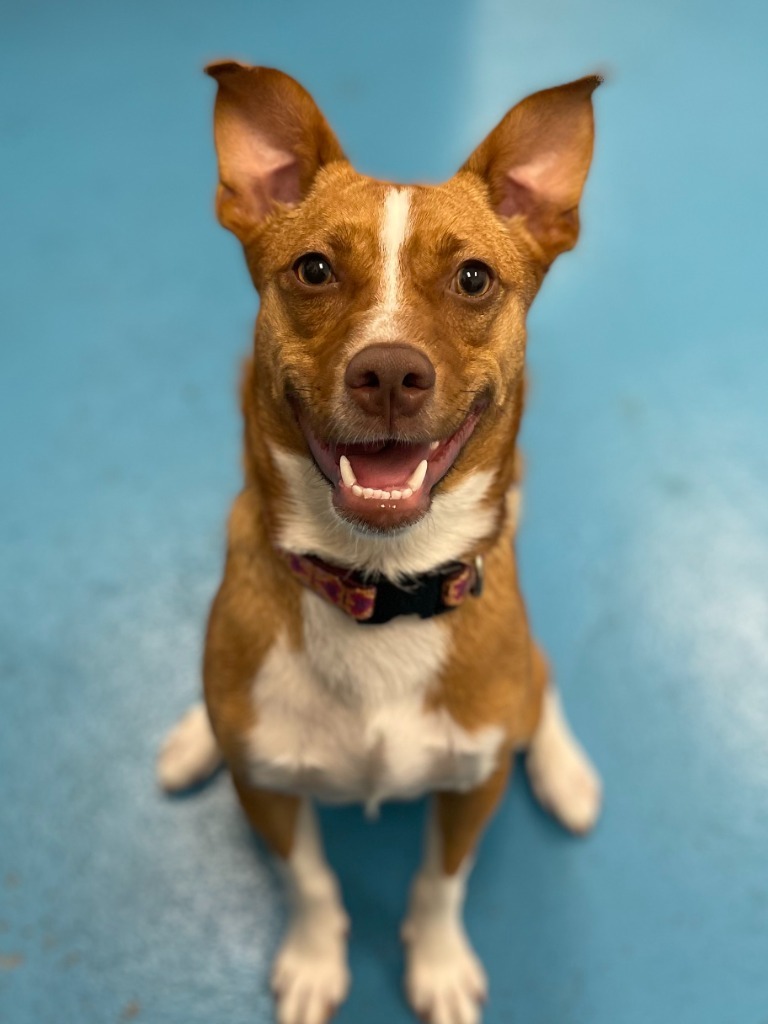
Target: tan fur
[(461, 817), (272, 815)]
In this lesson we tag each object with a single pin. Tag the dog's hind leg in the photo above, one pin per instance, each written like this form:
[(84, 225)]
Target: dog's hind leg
[(445, 982), (189, 753), (310, 977), (562, 777)]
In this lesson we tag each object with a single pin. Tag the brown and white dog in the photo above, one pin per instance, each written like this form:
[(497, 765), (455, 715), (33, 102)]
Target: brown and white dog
[(369, 640)]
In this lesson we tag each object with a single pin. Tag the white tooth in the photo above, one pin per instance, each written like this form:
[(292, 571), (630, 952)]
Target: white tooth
[(396, 495), (417, 477), (407, 492), (435, 444), (382, 494), (367, 492), (347, 474), (377, 493), (358, 490)]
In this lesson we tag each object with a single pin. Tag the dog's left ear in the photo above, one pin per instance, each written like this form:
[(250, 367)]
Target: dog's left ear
[(535, 163), (271, 140)]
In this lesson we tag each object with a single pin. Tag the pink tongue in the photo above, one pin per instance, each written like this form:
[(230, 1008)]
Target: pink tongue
[(388, 468)]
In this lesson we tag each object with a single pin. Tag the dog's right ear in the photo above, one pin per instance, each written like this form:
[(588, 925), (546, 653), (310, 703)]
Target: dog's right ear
[(271, 140)]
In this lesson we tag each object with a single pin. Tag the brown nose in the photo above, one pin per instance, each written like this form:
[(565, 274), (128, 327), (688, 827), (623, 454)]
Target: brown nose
[(390, 381)]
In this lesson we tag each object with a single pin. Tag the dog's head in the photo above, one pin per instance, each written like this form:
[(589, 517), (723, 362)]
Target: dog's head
[(391, 333)]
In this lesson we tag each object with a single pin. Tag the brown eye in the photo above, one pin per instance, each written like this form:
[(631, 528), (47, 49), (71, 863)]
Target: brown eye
[(314, 269), (473, 278)]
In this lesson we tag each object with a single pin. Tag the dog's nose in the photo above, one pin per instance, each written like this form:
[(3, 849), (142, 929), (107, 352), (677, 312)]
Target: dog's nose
[(390, 380)]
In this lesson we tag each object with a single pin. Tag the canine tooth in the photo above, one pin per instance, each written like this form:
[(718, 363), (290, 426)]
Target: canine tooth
[(358, 490), (417, 477), (435, 444), (396, 495), (367, 492), (407, 492), (347, 474)]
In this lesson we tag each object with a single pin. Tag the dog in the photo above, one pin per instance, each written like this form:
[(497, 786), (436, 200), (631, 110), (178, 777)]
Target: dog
[(369, 640)]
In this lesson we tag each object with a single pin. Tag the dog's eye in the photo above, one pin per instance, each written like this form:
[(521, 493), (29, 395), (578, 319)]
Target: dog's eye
[(473, 278), (313, 268)]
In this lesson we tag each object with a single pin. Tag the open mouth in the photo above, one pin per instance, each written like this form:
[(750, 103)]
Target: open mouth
[(387, 484)]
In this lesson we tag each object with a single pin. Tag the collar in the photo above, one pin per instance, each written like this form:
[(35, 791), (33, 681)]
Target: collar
[(371, 599)]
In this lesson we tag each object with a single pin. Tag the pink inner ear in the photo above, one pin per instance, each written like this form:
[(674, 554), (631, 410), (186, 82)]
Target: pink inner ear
[(282, 182), (543, 180), (516, 199), (267, 174)]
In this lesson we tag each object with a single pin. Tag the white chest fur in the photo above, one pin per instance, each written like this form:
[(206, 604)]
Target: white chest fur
[(343, 720)]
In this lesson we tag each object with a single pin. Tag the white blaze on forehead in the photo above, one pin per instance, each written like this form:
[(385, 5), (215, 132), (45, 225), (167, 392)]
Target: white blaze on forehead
[(394, 232)]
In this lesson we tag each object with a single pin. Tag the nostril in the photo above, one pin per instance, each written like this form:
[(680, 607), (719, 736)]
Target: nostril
[(358, 376), (419, 375)]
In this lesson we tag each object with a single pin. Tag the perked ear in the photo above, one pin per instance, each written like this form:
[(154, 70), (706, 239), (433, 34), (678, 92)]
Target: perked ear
[(535, 163), (271, 140)]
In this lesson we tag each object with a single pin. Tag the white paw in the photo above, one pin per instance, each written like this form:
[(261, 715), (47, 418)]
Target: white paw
[(310, 977), (444, 981), (189, 753), (563, 778)]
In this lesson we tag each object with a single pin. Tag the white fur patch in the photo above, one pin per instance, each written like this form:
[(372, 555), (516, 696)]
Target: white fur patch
[(368, 667), (394, 231), (344, 719), (444, 980), (310, 974), (561, 774), (457, 521), (382, 322)]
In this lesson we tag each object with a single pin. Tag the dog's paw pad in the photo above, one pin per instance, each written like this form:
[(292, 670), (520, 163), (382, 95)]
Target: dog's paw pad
[(444, 981), (189, 753), (566, 784), (310, 977)]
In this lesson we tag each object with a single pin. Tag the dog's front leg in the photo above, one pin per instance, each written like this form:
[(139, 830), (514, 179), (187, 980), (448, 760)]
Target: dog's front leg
[(445, 981), (310, 977)]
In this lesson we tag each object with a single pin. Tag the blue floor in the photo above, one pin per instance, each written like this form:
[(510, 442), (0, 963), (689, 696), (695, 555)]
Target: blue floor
[(124, 310)]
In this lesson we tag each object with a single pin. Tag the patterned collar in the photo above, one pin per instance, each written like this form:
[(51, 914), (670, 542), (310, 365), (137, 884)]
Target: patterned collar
[(373, 599)]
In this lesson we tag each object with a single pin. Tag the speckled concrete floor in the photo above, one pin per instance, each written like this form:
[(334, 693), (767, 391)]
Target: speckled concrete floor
[(124, 311)]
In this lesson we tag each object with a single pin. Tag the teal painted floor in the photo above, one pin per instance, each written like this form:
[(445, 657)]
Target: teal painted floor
[(124, 311)]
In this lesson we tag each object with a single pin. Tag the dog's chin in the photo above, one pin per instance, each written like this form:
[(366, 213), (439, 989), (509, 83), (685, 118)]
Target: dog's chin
[(386, 485), (379, 515)]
